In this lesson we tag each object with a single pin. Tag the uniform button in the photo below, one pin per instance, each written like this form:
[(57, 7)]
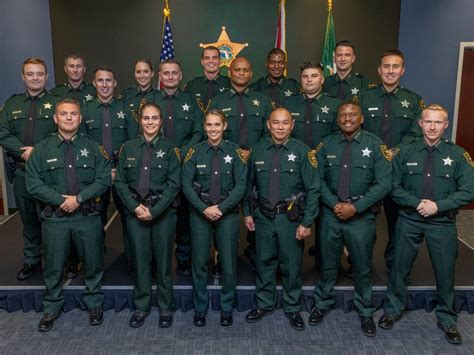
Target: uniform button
[(146, 168), (386, 116), (258, 169), (428, 174), (345, 165), (411, 172), (307, 121), (447, 175), (170, 117), (364, 166), (70, 166), (275, 170), (241, 115), (215, 173), (330, 164), (85, 166), (106, 125), (30, 118), (291, 170), (159, 166), (324, 121)]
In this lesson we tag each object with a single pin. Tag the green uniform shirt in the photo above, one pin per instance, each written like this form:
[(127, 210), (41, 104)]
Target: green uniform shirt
[(14, 116), (233, 174), (92, 121), (324, 119), (187, 117), (257, 110), (353, 83), (46, 169), (454, 177), (298, 172), (405, 110), (134, 99), (165, 175), (370, 169), (198, 87), (277, 92), (85, 92)]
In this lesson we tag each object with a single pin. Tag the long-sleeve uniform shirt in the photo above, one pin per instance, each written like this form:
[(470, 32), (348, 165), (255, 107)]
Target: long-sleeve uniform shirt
[(83, 93), (278, 92), (352, 85), (200, 88)]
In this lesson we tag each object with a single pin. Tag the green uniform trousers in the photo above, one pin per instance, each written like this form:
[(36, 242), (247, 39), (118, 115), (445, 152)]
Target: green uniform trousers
[(153, 239), (29, 217), (183, 242), (276, 243), (390, 208), (226, 232), (86, 234), (358, 234), (442, 243)]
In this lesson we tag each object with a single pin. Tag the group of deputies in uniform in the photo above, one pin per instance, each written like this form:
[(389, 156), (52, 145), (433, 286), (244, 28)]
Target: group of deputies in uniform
[(183, 166)]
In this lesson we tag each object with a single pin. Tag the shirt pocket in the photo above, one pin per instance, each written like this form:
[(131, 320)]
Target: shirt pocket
[(403, 121), (130, 169), (203, 175), (413, 178), (445, 182), (55, 171), (85, 171), (262, 172)]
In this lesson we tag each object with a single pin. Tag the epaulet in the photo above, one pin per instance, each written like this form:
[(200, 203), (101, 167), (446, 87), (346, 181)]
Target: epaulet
[(104, 152), (312, 158), (189, 154), (389, 154), (241, 155)]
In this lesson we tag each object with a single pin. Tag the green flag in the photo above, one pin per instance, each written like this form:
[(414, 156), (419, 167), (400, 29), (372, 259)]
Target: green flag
[(327, 59)]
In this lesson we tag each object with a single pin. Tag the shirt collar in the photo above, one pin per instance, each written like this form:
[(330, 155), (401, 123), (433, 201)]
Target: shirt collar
[(233, 92), (154, 142), (382, 91), (357, 137), (39, 96), (61, 139), (270, 83)]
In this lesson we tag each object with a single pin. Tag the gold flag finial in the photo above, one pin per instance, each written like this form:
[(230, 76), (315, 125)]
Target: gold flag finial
[(329, 5), (166, 10)]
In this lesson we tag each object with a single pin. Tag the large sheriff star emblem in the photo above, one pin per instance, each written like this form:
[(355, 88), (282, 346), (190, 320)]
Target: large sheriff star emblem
[(325, 109), (160, 154), (121, 114), (185, 107), (47, 106), (448, 161), (88, 97), (366, 152), (227, 159), (291, 157), (228, 50), (84, 152), (405, 103), (354, 91)]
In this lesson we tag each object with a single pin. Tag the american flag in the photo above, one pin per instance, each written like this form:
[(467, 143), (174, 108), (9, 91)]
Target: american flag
[(167, 50)]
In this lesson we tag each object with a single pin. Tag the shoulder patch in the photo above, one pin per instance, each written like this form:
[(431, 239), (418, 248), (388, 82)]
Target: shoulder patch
[(389, 154), (312, 158), (178, 153), (318, 148), (189, 154), (241, 155), (468, 158), (422, 104), (104, 152)]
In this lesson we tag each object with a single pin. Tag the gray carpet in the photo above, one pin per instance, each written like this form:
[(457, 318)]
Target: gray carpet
[(339, 333)]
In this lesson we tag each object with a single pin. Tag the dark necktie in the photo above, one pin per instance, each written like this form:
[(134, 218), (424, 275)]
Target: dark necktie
[(76, 94), (144, 180), (210, 91), (243, 132), (215, 190), (308, 124), (169, 119), (72, 181), (274, 95), (274, 185), (344, 185), (386, 136), (429, 176), (29, 139), (341, 93), (107, 130)]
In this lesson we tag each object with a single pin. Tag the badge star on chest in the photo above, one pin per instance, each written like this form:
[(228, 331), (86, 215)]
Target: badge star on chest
[(160, 154), (366, 152), (121, 115), (228, 159), (354, 91), (448, 161), (291, 157), (88, 97), (47, 106), (84, 152), (221, 89), (185, 107), (405, 103), (288, 93), (256, 102), (325, 109)]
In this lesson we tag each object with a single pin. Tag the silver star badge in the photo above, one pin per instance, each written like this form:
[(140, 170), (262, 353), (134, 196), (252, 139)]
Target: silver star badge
[(405, 103), (354, 91), (221, 89), (288, 93), (291, 157), (325, 109), (448, 161), (185, 107), (121, 115), (256, 102), (84, 152), (366, 152), (160, 154), (228, 159), (47, 106), (88, 97)]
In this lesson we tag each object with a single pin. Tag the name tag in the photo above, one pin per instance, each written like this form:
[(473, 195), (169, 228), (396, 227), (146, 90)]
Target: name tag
[(259, 162), (412, 164), (373, 108), (197, 95), (131, 105), (16, 112), (51, 160), (130, 158), (201, 166), (331, 156), (89, 121), (226, 109), (295, 113)]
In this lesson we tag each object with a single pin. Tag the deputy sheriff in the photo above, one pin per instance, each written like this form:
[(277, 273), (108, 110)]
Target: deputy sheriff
[(214, 182), (148, 181), (355, 174), (345, 84), (106, 120), (26, 119), (246, 113), (284, 187), (432, 179), (136, 96), (391, 112), (182, 125), (211, 83), (67, 172), (76, 87), (276, 85)]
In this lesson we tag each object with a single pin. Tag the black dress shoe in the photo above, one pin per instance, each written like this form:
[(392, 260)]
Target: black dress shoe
[(317, 316), (257, 314), (47, 322), (226, 319), (296, 321), (217, 271), (199, 319), (166, 320), (96, 315), (71, 272), (138, 318), (387, 321), (26, 271), (451, 333), (368, 326), (184, 269)]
